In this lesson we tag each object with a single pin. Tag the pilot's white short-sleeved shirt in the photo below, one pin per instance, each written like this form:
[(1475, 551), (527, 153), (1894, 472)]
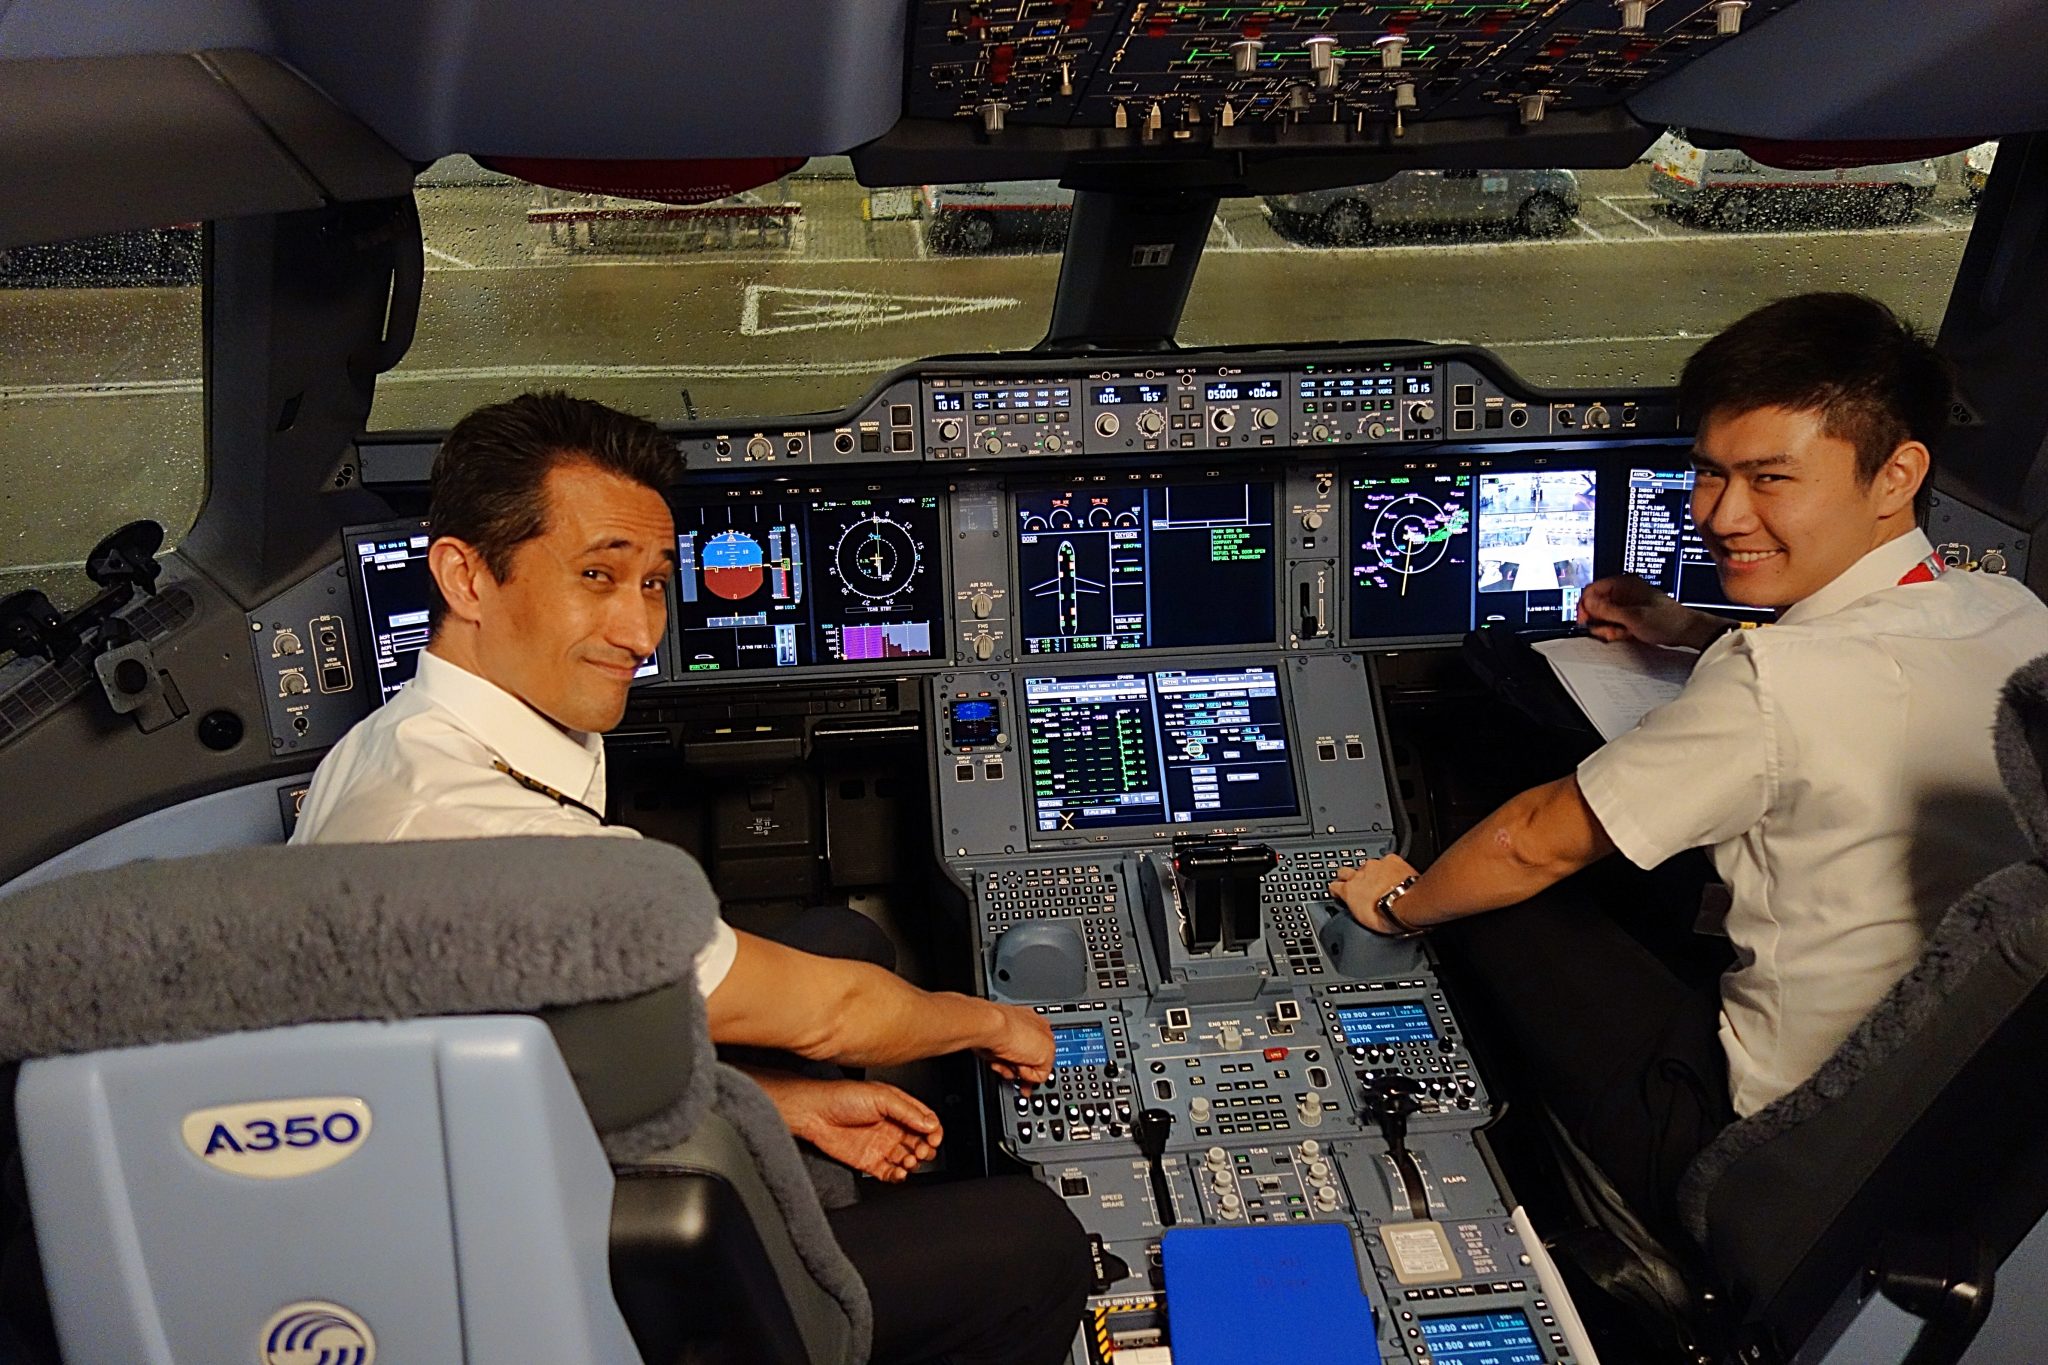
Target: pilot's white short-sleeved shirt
[(420, 768), (1838, 766)]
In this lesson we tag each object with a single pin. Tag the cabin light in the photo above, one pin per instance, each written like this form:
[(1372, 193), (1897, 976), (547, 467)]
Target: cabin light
[(1391, 47), (1246, 51), (1728, 15)]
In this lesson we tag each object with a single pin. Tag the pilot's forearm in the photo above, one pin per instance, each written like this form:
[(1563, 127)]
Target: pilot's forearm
[(1534, 841), (884, 1020)]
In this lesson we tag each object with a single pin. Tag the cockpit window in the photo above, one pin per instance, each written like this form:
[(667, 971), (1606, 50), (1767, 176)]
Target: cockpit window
[(101, 417), (793, 297), (1578, 278)]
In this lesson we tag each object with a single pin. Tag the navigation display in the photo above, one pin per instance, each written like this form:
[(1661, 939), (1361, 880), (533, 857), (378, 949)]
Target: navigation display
[(1411, 559), (1481, 1339), (786, 582), (1165, 747), (390, 567), (1153, 567), (1535, 547), (395, 587), (1663, 546)]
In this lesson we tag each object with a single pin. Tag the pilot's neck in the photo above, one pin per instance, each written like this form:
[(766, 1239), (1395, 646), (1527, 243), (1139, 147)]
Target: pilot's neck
[(454, 644)]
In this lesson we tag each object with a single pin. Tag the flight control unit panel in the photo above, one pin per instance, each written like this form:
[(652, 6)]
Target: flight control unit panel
[(1131, 611)]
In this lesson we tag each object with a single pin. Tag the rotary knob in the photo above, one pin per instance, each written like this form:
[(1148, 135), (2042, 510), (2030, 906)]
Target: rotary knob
[(980, 604), (1151, 422), (1311, 521), (1108, 424), (1326, 1198), (1216, 1159), (1319, 432), (1376, 430), (760, 448), (984, 646), (1223, 419), (1055, 443), (1265, 418), (949, 430), (992, 443), (1422, 412)]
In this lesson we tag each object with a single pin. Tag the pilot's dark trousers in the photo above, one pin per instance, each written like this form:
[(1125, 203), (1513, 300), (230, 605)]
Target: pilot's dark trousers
[(1625, 1053), (969, 1272)]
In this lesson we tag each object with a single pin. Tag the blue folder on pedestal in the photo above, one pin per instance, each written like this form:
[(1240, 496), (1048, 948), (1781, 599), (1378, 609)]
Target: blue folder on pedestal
[(1276, 1294)]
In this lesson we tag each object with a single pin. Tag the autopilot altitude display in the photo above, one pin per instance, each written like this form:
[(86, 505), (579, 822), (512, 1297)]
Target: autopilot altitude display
[(1163, 566), (784, 583), (1172, 746)]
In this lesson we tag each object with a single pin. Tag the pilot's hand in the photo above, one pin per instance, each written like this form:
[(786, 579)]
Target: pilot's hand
[(1625, 607), (1022, 1051), (875, 1128), (1361, 887)]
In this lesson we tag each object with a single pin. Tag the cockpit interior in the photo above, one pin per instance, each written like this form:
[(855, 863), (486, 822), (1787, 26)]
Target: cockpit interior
[(1127, 448)]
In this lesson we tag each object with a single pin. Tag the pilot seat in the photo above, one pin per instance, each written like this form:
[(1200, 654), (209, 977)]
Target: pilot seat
[(449, 1102)]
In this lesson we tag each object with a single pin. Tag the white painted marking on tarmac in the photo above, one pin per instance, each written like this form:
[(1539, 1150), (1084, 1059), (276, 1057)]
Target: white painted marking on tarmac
[(1595, 233), (451, 258), (1608, 199), (772, 309), (1602, 341), (115, 388), (1230, 241), (1580, 243)]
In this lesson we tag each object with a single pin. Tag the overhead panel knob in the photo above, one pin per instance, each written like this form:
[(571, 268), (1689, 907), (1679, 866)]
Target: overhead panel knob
[(1245, 52), (1404, 95), (1728, 16), (1533, 107), (1322, 50), (992, 116), (1632, 15), (1391, 47)]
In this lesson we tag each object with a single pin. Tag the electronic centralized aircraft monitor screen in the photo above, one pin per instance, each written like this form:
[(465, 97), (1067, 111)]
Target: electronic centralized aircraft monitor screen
[(1663, 546), (790, 582), (394, 587), (1438, 548), (1179, 565), (1167, 747)]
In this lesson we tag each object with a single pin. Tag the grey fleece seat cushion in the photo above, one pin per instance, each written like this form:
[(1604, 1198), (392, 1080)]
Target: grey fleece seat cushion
[(1758, 1195), (571, 929)]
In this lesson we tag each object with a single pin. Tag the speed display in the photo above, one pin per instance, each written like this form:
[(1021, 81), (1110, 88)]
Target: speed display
[(781, 583)]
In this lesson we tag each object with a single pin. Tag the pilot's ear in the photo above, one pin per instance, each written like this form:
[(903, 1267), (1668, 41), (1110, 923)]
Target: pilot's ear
[(460, 573), (1900, 477)]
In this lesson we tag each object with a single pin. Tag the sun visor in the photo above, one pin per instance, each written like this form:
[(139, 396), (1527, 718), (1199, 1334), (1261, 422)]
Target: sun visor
[(664, 182)]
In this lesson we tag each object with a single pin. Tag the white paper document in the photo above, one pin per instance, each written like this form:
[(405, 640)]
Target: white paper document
[(1617, 684)]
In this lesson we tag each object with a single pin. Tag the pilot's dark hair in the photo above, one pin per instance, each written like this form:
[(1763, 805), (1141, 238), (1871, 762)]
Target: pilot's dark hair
[(1875, 380), (488, 485)]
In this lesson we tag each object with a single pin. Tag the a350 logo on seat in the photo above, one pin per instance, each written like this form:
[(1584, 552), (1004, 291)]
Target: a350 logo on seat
[(275, 1139)]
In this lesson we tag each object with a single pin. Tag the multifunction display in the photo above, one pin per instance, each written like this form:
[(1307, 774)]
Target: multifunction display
[(1177, 565), (1171, 746), (1481, 1339), (781, 583), (1411, 556), (1079, 1045), (1377, 1025), (390, 565), (1535, 548), (1663, 546)]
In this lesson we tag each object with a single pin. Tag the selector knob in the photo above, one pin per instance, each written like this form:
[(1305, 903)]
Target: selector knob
[(1055, 443), (1230, 1205), (1326, 1197), (1319, 1171), (1311, 1149), (1422, 412), (1151, 422), (1223, 1178), (984, 646), (760, 448), (1265, 418), (1198, 1109), (1596, 416), (1376, 430), (1319, 432), (1223, 419), (1216, 1159), (1230, 1037), (292, 683), (992, 443), (1108, 424), (949, 430), (286, 642), (980, 604), (1311, 521)]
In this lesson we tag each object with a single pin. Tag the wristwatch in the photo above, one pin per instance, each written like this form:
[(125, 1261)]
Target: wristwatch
[(1385, 906)]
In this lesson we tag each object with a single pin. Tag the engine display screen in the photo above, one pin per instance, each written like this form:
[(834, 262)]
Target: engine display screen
[(1481, 1339), (1079, 1045), (784, 583), (1374, 1025), (1152, 567), (1169, 747)]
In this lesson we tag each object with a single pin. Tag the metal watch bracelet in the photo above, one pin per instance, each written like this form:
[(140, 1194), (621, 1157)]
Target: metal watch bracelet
[(1385, 906)]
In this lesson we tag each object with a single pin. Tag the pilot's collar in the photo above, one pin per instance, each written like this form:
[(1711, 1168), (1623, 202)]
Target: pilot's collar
[(570, 761), (1879, 569)]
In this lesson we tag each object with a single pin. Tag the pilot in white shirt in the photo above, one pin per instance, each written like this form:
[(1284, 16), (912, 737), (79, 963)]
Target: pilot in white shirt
[(1837, 765)]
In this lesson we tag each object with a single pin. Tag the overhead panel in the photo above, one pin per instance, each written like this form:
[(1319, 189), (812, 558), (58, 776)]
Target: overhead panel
[(1213, 70)]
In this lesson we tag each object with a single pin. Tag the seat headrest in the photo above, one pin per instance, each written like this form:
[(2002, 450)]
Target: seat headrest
[(2022, 748), (599, 936)]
